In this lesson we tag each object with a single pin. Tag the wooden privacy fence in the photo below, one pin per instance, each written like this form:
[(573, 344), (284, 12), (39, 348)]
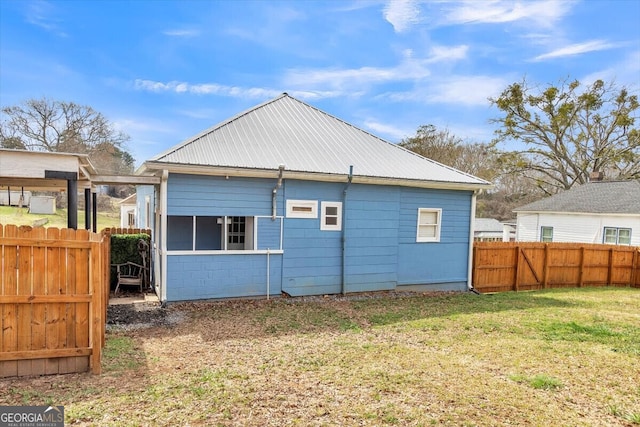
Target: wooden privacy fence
[(53, 297), (518, 266)]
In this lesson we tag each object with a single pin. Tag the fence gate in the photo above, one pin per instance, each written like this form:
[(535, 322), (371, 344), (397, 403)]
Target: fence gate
[(53, 295)]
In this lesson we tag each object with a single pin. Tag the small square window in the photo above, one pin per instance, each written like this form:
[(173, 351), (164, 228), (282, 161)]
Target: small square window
[(331, 216), (546, 234), (428, 229)]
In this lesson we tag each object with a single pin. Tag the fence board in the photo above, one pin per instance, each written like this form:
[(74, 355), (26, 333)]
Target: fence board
[(504, 266), (52, 300)]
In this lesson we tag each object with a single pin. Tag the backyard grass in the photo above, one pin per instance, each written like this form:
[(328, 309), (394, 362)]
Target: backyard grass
[(545, 358), (21, 216)]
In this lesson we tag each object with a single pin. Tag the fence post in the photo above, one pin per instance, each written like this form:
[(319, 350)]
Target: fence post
[(610, 270), (97, 312), (581, 272), (517, 274), (635, 277), (545, 272)]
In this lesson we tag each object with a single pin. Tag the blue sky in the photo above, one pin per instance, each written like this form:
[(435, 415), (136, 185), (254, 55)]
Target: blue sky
[(162, 71)]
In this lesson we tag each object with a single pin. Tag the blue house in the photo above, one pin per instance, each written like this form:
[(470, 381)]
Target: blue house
[(285, 198)]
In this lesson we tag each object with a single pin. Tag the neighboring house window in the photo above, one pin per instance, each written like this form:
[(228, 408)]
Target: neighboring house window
[(429, 225), (617, 236), (131, 218), (331, 216), (302, 209), (546, 234)]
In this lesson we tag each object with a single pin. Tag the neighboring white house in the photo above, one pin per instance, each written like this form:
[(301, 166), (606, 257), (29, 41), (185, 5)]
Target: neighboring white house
[(596, 212), (492, 230), (128, 211)]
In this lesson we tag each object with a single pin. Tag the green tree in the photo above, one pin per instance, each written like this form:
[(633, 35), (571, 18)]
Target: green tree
[(568, 133), (57, 126)]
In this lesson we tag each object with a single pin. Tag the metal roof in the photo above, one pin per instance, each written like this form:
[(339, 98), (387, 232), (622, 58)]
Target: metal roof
[(619, 197), (286, 131)]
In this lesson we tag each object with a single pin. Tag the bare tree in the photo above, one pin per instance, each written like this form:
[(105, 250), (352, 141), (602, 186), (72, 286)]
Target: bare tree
[(56, 126), (568, 133)]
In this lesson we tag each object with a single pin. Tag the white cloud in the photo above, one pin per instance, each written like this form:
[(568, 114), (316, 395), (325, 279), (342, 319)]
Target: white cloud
[(456, 90), (228, 91), (622, 73), (577, 49), (542, 12), (387, 130), (181, 33), (43, 14), (402, 14), (349, 80)]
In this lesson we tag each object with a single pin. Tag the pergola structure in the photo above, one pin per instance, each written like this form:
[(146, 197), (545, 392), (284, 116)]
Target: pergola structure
[(62, 172)]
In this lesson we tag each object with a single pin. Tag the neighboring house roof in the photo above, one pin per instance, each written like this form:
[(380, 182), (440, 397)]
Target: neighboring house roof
[(614, 197), (488, 224), (130, 200), (289, 132)]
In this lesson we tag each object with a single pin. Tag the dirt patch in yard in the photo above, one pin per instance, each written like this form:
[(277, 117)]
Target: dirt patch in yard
[(361, 360)]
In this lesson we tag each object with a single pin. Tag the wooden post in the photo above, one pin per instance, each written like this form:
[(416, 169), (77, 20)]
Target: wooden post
[(581, 271), (96, 311), (635, 277), (610, 271), (517, 273), (545, 272)]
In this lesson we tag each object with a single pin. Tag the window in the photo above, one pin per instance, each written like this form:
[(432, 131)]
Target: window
[(236, 229), (546, 234), (147, 211), (617, 236), (302, 209), (210, 233), (331, 216), (131, 218), (428, 225)]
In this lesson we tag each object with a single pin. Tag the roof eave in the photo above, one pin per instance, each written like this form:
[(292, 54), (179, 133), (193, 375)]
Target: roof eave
[(153, 167)]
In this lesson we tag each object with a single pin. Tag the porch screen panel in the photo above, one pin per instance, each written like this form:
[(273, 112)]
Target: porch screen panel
[(208, 233), (179, 233)]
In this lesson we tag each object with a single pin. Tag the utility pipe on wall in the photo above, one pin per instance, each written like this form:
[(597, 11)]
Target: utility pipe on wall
[(274, 202), (472, 221), (344, 229)]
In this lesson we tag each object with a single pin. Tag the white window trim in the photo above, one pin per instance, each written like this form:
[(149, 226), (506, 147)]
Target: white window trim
[(542, 228), (438, 225), (313, 204), (323, 216), (617, 229)]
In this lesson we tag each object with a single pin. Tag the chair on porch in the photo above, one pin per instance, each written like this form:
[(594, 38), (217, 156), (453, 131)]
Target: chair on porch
[(129, 274)]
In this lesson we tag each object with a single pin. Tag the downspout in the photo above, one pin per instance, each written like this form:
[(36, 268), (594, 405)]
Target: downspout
[(274, 193), (163, 237), (472, 219), (344, 230)]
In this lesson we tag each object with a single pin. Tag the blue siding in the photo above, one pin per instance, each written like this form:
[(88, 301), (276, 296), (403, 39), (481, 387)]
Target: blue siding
[(268, 233), (217, 196), (142, 191), (191, 277), (312, 262), (439, 262), (371, 235), (380, 239)]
